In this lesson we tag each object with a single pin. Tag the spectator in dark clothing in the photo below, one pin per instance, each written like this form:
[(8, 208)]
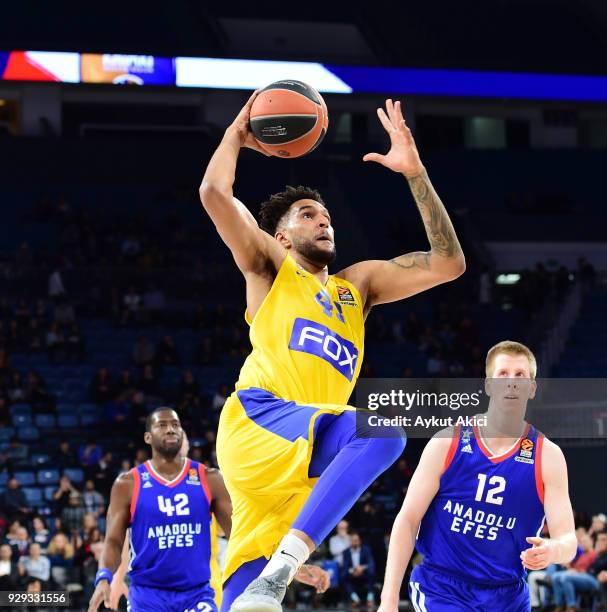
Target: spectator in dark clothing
[(40, 534), (65, 458), (36, 389), (90, 454), (73, 515), (93, 500), (206, 353), (14, 502), (16, 388), (188, 400), (139, 409), (358, 571), (100, 389), (17, 451), (19, 542), (75, 343), (149, 384), (9, 571), (55, 343), (166, 352), (62, 495), (125, 387), (118, 413), (105, 474), (143, 352), (131, 306)]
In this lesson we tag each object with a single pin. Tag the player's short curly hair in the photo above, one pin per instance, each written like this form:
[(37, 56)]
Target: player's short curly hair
[(278, 204)]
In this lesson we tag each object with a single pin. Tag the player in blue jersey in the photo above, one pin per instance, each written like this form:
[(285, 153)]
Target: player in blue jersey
[(167, 503), (477, 503)]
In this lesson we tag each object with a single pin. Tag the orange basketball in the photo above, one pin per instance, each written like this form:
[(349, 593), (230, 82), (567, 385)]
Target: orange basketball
[(289, 118)]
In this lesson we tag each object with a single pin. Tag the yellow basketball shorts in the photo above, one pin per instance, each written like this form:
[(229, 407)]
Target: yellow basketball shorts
[(264, 447)]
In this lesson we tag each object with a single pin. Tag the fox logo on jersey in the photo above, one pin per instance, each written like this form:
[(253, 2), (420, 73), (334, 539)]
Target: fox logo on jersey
[(316, 339)]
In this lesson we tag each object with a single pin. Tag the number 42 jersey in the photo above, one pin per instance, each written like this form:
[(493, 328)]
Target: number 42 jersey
[(475, 528), (170, 528)]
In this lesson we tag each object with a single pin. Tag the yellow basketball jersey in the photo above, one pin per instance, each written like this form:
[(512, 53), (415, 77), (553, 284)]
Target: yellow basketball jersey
[(308, 339), (308, 344), (216, 581)]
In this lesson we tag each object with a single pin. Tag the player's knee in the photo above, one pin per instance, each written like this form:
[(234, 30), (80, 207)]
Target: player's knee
[(387, 450)]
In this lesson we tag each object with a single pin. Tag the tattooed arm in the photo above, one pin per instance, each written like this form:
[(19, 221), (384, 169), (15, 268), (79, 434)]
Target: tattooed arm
[(388, 281)]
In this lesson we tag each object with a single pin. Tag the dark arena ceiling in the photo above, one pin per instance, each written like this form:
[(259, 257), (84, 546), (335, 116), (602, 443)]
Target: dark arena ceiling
[(556, 36)]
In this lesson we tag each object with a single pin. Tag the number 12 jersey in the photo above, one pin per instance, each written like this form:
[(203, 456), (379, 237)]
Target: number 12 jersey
[(475, 528)]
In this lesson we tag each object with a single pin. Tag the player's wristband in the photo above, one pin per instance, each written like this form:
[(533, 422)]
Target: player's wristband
[(103, 574)]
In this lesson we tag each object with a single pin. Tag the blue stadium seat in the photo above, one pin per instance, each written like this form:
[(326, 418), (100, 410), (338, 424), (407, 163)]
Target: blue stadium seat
[(86, 420), (45, 420), (3, 478), (33, 495), (88, 408), (26, 478), (28, 434), (66, 409), (21, 420), (21, 409), (49, 492), (40, 459), (67, 421), (6, 433), (48, 477), (76, 475)]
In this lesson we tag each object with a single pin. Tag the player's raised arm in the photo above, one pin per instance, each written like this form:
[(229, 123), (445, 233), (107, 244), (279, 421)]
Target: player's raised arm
[(411, 273), (562, 545), (118, 519), (250, 246), (422, 489)]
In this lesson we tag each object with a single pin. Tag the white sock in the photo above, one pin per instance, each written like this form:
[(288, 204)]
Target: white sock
[(292, 551)]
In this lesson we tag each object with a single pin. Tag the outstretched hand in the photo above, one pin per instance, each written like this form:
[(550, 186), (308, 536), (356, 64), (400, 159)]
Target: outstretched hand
[(403, 156), (538, 556), (242, 127), (315, 576)]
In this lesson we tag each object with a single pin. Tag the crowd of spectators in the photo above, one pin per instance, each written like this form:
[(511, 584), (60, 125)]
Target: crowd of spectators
[(581, 584), (41, 325)]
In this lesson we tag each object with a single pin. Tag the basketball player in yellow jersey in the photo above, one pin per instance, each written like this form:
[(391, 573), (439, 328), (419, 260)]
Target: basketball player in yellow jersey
[(287, 443)]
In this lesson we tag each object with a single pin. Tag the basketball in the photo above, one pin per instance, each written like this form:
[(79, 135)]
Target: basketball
[(289, 118)]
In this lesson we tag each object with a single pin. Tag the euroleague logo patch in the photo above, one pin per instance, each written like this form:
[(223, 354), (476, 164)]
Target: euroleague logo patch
[(193, 477), (345, 296), (526, 451)]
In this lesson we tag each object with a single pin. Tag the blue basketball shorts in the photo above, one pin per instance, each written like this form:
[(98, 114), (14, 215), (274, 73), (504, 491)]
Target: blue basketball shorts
[(148, 599), (434, 591)]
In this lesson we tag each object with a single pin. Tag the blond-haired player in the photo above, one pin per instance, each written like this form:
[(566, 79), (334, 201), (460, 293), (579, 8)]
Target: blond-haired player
[(478, 499)]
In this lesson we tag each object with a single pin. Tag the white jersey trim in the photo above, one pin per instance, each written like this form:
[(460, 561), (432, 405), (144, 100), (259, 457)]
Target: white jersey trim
[(163, 480)]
